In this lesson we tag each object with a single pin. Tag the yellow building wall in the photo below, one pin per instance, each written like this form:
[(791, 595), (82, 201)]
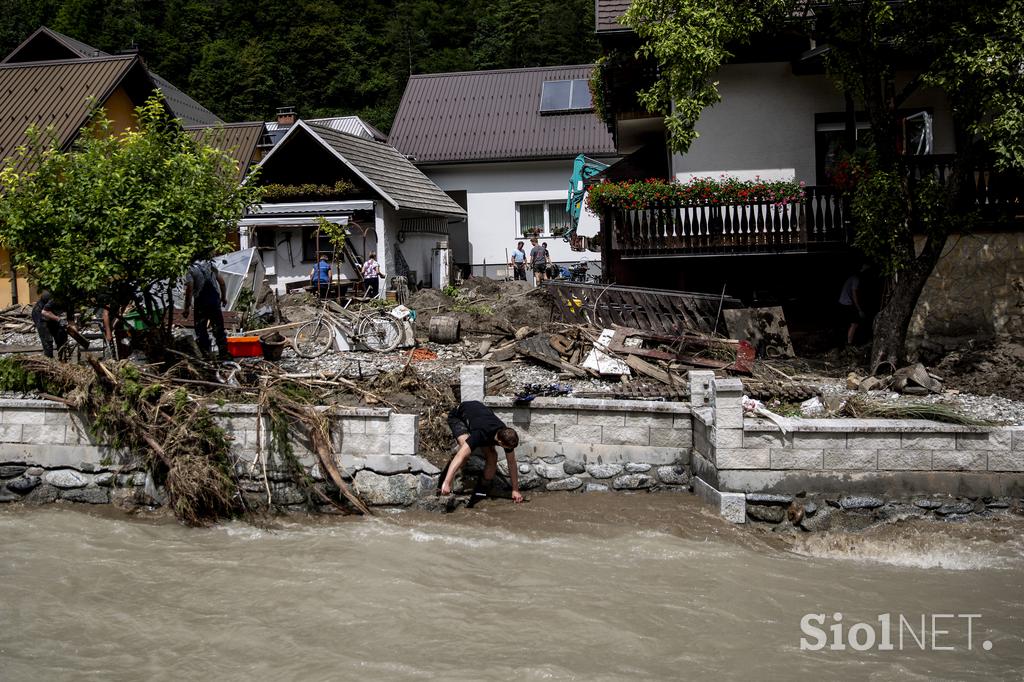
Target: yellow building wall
[(120, 110), (26, 292)]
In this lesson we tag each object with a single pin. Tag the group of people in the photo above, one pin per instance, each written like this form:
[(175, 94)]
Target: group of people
[(320, 276), (538, 260), (205, 293)]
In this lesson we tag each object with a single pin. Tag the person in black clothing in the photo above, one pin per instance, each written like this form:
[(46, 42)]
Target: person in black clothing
[(474, 425), (50, 315), (204, 286)]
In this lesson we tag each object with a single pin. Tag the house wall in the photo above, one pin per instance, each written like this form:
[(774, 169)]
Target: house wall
[(765, 125), (120, 109), (283, 270), (492, 192), (26, 293)]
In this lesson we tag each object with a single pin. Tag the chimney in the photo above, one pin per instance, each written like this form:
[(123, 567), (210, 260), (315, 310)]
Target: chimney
[(286, 116)]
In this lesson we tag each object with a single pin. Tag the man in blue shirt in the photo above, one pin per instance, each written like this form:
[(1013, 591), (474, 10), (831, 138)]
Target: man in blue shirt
[(320, 276), (519, 263)]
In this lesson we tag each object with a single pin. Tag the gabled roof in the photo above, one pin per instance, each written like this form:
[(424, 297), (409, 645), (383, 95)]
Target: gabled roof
[(493, 116), (382, 167), (353, 125), (607, 14), (191, 112), (238, 140), (48, 45), (56, 94)]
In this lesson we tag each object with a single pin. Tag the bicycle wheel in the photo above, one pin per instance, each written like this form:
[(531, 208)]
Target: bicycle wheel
[(312, 339), (379, 332)]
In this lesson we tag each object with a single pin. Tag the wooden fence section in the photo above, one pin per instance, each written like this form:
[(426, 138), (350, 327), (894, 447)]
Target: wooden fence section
[(656, 310), (759, 226)]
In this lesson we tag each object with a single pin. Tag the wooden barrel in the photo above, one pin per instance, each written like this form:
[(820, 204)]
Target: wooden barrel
[(444, 329)]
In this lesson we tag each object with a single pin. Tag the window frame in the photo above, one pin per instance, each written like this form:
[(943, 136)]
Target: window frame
[(574, 83), (309, 246), (546, 230)]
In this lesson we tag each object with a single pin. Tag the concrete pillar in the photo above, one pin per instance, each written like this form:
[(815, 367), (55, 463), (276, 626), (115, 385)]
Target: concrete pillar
[(727, 400), (385, 256), (472, 380), (404, 434), (700, 385)]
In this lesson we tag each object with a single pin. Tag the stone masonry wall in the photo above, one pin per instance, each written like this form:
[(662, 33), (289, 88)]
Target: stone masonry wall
[(47, 453), (977, 287)]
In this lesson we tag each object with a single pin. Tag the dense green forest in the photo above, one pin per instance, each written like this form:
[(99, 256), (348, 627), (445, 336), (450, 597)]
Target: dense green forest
[(243, 58)]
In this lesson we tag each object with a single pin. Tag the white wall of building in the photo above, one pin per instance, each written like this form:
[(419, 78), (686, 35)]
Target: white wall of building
[(285, 265), (765, 124), (493, 191)]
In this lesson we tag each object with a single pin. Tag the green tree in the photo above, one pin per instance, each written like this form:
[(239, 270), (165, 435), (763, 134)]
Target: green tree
[(118, 218), (971, 49)]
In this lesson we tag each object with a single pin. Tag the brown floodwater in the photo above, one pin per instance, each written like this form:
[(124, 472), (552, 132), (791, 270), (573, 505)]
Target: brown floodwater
[(576, 587)]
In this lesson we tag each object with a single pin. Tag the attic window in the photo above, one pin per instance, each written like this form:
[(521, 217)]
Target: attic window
[(559, 96)]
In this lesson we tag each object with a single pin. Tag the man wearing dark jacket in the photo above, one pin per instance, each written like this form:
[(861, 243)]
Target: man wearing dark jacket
[(50, 315), (475, 425), (204, 286)]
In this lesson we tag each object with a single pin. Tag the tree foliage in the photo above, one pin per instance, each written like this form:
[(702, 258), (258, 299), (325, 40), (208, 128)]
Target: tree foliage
[(244, 58), (689, 40), (119, 215)]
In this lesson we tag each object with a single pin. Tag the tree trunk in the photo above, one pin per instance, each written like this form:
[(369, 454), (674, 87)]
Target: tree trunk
[(889, 347)]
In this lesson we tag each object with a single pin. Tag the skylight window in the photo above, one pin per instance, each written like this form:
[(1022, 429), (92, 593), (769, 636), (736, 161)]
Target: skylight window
[(558, 96)]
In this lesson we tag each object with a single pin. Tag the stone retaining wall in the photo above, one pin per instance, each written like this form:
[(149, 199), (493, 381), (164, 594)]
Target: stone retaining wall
[(976, 290), (889, 458), (47, 453)]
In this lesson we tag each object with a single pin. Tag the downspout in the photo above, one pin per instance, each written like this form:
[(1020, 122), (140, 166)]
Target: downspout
[(14, 278)]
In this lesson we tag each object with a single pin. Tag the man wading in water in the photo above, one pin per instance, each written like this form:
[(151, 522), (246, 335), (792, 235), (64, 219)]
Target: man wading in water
[(475, 425)]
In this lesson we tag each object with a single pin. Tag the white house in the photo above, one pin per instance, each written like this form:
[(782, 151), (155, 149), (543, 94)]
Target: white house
[(501, 144), (389, 207)]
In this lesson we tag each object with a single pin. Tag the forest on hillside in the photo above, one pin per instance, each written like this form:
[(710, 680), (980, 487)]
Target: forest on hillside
[(243, 58)]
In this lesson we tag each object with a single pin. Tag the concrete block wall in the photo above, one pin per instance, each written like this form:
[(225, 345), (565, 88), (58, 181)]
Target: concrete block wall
[(591, 431), (357, 431), (884, 456), (47, 453)]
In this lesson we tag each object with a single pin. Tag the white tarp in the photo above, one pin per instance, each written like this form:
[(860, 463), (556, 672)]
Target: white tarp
[(600, 361), (240, 269)]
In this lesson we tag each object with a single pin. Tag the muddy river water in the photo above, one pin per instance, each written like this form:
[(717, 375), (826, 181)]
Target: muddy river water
[(581, 587)]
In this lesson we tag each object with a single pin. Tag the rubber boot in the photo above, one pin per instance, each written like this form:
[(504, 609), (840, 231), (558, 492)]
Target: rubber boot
[(481, 491)]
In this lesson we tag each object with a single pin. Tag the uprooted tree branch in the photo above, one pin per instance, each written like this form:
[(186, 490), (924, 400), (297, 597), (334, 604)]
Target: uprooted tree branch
[(171, 432)]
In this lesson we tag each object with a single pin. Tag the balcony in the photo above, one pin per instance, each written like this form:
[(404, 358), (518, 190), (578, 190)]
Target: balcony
[(818, 222)]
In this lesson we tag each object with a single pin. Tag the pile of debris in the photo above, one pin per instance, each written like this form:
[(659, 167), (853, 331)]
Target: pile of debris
[(913, 380)]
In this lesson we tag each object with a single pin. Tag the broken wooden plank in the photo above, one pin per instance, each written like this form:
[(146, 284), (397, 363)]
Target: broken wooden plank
[(641, 366), (539, 348)]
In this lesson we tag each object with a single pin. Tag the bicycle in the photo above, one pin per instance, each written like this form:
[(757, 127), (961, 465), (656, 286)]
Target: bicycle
[(336, 324)]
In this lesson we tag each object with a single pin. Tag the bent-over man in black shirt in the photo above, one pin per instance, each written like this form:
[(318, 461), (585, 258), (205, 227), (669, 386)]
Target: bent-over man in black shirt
[(475, 425)]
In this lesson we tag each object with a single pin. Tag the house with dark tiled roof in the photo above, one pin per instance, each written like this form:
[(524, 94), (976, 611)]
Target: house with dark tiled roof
[(781, 117), (55, 82), (391, 208), (502, 143)]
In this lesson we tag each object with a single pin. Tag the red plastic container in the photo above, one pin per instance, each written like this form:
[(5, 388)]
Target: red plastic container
[(245, 346)]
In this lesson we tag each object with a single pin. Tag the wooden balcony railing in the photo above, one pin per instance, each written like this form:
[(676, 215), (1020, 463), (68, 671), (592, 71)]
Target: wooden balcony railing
[(816, 222), (999, 196)]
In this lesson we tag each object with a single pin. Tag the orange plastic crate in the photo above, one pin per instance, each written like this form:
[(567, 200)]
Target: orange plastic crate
[(245, 346)]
